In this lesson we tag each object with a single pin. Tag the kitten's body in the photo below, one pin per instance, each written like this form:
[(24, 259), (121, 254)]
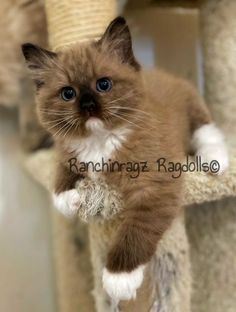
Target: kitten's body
[(169, 103), (143, 117)]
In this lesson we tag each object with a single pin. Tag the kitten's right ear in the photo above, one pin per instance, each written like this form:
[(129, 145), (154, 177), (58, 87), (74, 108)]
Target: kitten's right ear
[(37, 59)]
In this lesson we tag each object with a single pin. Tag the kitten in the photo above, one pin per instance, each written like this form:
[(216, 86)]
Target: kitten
[(99, 104)]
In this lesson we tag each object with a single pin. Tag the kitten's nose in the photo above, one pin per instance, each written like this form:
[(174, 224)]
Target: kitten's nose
[(87, 102)]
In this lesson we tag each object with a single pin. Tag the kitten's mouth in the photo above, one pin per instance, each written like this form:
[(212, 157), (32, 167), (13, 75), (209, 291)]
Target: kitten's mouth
[(94, 124)]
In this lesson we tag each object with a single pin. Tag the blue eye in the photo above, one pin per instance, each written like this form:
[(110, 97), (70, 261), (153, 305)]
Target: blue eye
[(68, 93), (104, 85)]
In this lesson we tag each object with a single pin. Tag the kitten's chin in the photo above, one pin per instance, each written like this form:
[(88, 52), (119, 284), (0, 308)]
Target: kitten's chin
[(94, 124)]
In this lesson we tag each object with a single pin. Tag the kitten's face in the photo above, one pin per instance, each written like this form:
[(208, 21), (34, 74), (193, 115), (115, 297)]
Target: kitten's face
[(87, 85)]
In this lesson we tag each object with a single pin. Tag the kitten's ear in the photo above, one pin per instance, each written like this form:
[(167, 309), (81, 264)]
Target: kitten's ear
[(37, 59), (118, 38)]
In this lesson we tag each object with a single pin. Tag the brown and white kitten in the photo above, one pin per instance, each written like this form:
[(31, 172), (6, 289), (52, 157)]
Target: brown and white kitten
[(99, 103)]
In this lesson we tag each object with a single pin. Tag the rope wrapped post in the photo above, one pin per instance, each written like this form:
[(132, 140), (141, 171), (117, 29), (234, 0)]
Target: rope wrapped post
[(77, 20), (214, 243)]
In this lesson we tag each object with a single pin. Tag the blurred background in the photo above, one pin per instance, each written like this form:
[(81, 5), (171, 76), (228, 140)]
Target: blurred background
[(166, 34)]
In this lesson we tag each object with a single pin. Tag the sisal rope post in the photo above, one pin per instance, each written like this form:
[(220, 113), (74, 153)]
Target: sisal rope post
[(77, 20)]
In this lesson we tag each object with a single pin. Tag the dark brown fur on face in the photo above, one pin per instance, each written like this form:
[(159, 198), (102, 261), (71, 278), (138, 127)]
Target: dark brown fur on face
[(160, 112)]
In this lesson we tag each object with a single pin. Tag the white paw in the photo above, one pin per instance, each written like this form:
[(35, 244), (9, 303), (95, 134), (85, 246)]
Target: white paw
[(122, 286), (67, 202), (208, 142), (212, 153)]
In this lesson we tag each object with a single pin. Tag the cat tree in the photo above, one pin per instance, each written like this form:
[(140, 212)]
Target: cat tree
[(208, 226)]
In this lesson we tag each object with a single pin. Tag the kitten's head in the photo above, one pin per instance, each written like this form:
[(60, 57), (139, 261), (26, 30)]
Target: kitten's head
[(88, 84)]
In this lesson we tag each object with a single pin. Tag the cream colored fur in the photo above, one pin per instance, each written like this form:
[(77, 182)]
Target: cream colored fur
[(67, 202), (124, 285), (209, 143), (101, 143)]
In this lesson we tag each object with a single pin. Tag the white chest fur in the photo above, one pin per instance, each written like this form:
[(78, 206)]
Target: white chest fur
[(99, 145)]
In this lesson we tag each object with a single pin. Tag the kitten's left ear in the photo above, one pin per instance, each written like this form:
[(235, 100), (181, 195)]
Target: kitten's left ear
[(118, 39), (37, 59)]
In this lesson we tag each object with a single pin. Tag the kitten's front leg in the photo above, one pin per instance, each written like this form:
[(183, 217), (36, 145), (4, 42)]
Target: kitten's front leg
[(65, 196), (145, 221)]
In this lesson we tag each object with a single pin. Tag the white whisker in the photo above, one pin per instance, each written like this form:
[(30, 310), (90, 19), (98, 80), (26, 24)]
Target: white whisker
[(124, 119), (143, 119), (60, 131), (124, 97), (71, 127), (131, 109)]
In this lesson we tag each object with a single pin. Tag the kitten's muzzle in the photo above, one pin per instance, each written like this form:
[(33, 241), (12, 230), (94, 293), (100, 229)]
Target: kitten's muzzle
[(87, 103)]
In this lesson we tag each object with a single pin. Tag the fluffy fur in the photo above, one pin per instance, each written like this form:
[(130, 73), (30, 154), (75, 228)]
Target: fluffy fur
[(123, 286), (67, 202), (208, 142), (144, 116), (100, 144)]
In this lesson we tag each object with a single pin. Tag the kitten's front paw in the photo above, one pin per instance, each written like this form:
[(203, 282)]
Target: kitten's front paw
[(209, 143), (123, 285), (67, 202), (216, 157)]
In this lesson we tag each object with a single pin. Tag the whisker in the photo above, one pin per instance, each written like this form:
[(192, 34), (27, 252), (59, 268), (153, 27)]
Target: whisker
[(71, 127), (108, 120), (131, 114), (124, 97), (67, 130), (143, 119), (57, 124), (124, 119), (60, 131), (76, 125), (64, 129), (64, 118), (57, 119), (60, 113), (54, 110), (52, 122), (139, 118), (130, 109)]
